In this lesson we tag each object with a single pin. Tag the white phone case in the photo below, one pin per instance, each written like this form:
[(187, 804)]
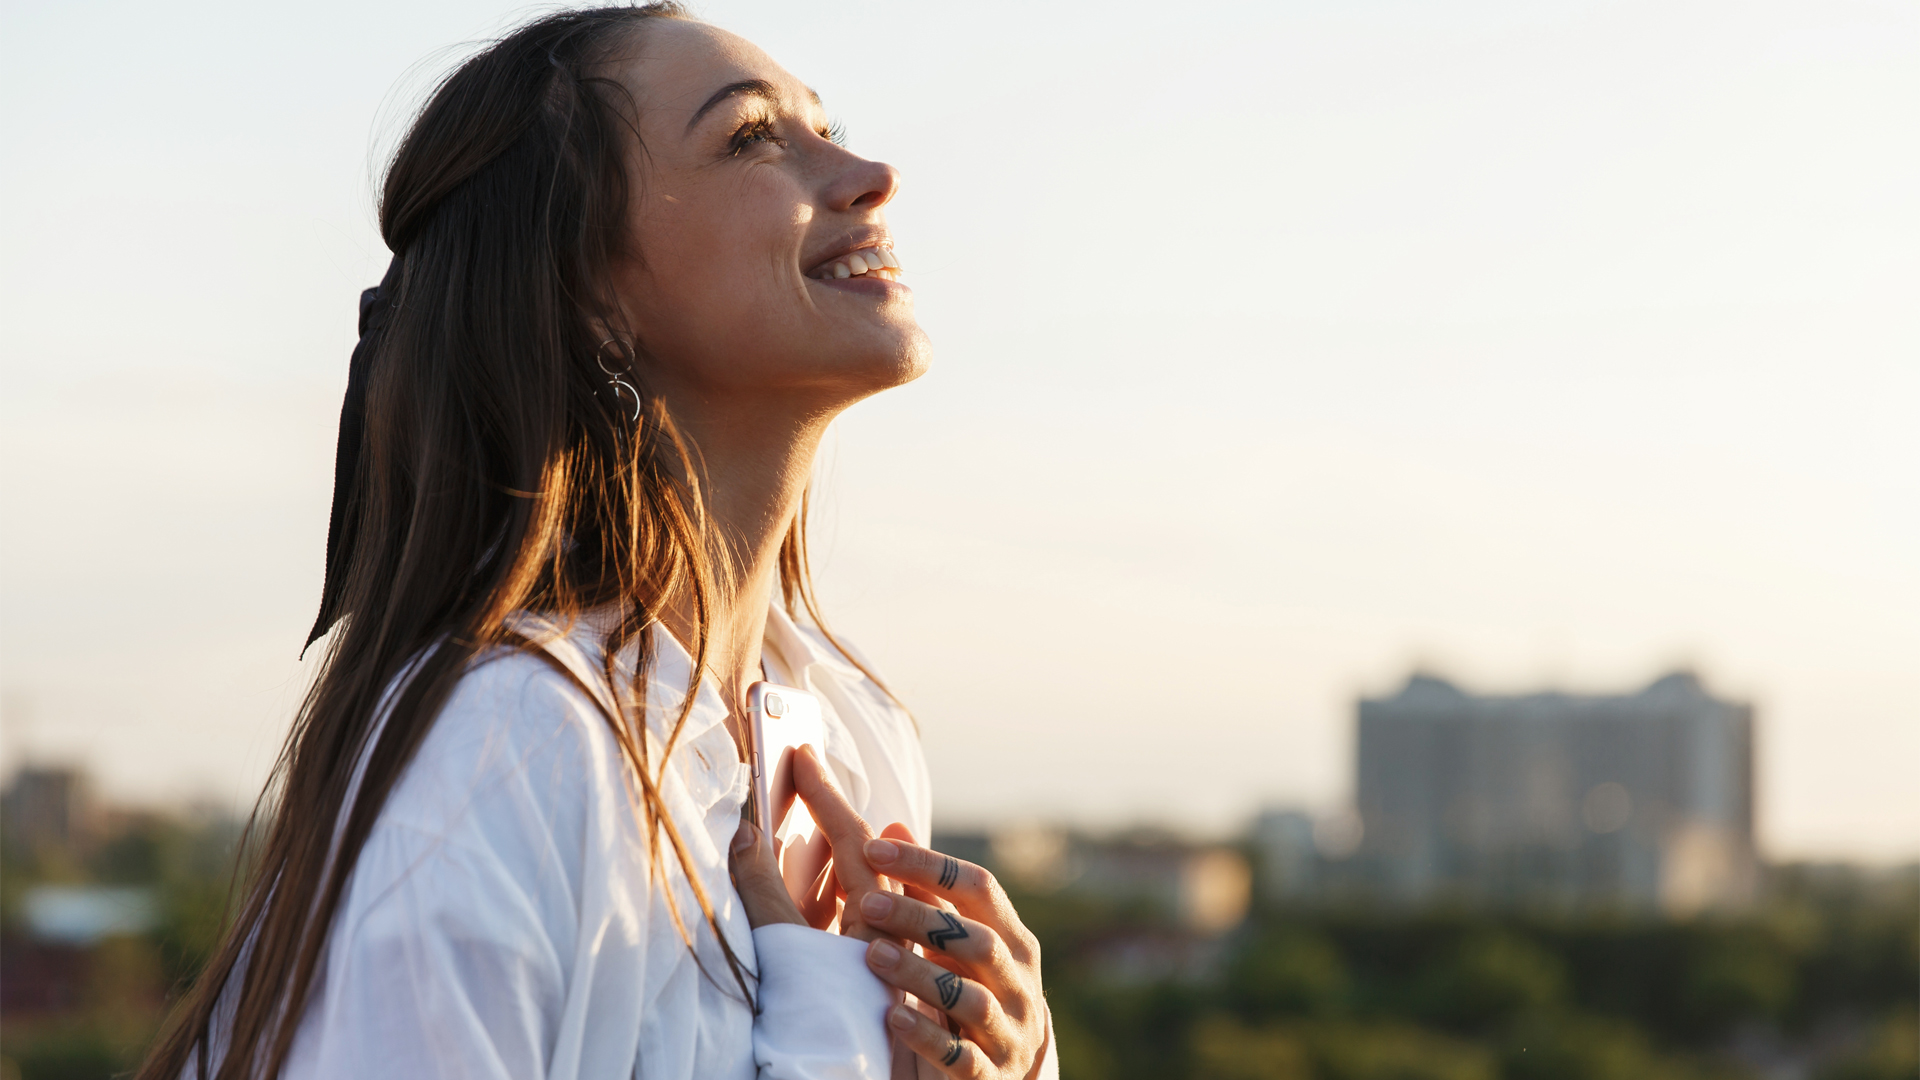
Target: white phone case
[(783, 719)]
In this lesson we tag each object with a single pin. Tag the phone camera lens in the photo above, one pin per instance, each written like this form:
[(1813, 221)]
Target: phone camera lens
[(775, 706)]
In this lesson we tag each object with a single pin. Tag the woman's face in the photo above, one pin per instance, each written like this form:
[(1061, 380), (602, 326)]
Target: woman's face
[(763, 262)]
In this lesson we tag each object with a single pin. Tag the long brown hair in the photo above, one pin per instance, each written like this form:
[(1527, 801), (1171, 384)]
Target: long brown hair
[(498, 473)]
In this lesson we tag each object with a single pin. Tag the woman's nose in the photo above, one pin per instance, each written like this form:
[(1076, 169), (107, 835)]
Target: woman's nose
[(864, 185)]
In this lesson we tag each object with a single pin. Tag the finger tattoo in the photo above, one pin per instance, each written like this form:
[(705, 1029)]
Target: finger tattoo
[(953, 1051), (949, 986), (953, 931), (949, 872)]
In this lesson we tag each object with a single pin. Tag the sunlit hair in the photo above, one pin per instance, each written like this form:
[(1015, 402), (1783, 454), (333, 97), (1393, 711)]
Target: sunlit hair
[(499, 474)]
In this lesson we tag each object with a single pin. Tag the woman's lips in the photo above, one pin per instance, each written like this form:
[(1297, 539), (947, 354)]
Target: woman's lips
[(871, 284), (878, 261)]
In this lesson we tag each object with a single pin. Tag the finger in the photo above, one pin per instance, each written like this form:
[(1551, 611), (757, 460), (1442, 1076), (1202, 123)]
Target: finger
[(960, 998), (899, 831), (948, 1052), (820, 903), (957, 936), (756, 876), (971, 889), (844, 828)]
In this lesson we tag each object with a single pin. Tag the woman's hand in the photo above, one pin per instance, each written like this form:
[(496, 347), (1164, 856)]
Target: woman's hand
[(756, 867), (846, 875), (756, 876), (982, 966)]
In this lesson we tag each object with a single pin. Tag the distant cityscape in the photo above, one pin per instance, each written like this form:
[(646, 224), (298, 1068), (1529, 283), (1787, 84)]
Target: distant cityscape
[(1523, 885), (1637, 802), (1641, 800)]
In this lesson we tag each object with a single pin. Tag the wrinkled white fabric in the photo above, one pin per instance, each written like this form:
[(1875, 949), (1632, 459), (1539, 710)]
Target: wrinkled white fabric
[(807, 1030), (504, 919)]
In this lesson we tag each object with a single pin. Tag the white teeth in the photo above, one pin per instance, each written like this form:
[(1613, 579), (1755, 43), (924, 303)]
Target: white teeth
[(878, 261)]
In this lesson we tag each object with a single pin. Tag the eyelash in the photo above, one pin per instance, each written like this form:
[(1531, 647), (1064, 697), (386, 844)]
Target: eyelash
[(753, 131), (761, 130)]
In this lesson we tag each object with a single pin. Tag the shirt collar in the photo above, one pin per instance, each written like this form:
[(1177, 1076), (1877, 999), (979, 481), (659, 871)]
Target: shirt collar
[(796, 649), (796, 652), (578, 647)]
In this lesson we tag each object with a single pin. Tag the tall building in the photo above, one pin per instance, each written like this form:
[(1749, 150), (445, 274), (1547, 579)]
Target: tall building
[(1642, 800), (49, 808)]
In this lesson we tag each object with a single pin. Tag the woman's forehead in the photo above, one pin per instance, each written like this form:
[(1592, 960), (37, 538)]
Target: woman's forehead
[(680, 66)]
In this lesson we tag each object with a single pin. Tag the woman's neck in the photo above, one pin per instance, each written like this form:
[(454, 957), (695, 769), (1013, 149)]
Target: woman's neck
[(754, 472)]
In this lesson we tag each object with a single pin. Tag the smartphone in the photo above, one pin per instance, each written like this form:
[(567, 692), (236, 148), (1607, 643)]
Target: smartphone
[(784, 719)]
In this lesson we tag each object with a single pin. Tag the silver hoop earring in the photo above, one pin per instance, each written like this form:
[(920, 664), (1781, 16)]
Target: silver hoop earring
[(623, 392)]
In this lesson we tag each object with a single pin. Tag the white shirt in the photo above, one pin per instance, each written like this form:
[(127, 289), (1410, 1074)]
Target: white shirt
[(504, 919)]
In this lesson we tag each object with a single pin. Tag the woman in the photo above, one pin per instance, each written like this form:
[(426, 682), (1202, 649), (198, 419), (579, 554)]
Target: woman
[(635, 276)]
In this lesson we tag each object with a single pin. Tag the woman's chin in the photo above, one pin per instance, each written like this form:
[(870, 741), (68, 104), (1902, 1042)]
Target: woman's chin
[(879, 371), (872, 357), (909, 359)]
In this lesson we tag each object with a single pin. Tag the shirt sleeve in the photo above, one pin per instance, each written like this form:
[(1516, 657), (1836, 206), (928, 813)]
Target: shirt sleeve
[(447, 976), (483, 934), (822, 1013)]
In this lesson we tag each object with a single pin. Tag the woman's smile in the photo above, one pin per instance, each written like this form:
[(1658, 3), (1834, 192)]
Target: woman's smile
[(857, 273), (877, 260)]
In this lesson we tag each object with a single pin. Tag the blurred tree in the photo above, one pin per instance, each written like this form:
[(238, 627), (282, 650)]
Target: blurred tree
[(1734, 975), (1390, 1051), (197, 885), (108, 1033), (1893, 1052), (1225, 1050), (1567, 1046), (133, 856), (1287, 972), (68, 1052), (1142, 1031), (1868, 953), (1487, 979), (1083, 1053)]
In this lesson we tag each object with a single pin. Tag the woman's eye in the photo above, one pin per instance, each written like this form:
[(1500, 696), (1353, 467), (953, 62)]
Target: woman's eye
[(760, 131)]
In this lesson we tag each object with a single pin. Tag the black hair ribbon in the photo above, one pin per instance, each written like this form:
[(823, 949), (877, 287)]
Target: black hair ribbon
[(344, 526)]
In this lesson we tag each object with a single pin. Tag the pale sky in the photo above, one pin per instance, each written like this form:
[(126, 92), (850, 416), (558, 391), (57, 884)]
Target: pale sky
[(1280, 347)]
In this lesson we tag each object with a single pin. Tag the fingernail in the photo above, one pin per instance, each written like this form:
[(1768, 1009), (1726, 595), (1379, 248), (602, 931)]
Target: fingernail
[(882, 851), (743, 838), (884, 954), (875, 905), (900, 1017)]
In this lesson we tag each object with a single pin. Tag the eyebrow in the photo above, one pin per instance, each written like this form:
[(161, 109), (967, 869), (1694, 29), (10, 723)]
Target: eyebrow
[(759, 88)]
